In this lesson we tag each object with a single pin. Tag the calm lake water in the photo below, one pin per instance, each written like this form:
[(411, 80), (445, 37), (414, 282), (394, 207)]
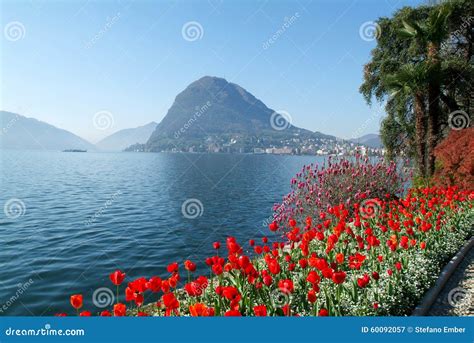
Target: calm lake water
[(80, 216)]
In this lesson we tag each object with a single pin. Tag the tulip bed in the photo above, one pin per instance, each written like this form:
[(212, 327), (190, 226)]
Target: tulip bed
[(349, 261)]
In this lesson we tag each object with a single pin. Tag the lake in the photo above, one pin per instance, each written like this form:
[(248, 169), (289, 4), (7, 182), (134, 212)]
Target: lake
[(75, 217)]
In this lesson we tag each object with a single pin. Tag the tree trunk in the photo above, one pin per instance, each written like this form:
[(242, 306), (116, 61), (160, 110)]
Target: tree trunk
[(420, 133), (434, 122), (433, 127)]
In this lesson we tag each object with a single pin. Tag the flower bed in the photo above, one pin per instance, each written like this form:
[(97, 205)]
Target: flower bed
[(357, 261), (341, 181)]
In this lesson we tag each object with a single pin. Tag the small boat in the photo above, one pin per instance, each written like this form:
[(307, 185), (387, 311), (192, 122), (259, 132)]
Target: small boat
[(74, 150)]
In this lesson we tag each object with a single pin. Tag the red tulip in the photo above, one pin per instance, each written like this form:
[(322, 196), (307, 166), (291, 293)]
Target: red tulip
[(273, 266), (173, 280), (105, 313), (85, 314), (267, 280), (76, 301), (189, 266), (323, 312), (363, 281), (327, 273), (338, 277), (217, 269), (193, 289), (138, 285), (233, 313), (165, 286), (313, 277), (231, 293), (273, 226), (233, 246), (170, 301), (286, 286), (120, 310), (117, 277), (200, 310), (243, 261), (260, 311), (216, 245), (154, 284), (62, 314), (312, 296), (173, 267)]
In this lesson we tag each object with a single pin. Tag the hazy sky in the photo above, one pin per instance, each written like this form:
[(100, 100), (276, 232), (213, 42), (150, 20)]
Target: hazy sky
[(64, 61)]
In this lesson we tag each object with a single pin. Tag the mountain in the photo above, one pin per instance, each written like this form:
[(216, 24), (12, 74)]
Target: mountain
[(213, 114), (122, 139), (19, 132), (371, 140)]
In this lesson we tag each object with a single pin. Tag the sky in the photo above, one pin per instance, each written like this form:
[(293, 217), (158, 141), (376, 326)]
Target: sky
[(63, 62)]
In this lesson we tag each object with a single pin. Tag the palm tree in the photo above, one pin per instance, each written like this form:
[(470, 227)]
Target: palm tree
[(410, 83), (430, 34)]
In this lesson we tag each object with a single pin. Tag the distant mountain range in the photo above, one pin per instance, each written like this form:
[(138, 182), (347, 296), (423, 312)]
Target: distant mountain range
[(122, 139), (19, 132), (210, 115), (371, 140)]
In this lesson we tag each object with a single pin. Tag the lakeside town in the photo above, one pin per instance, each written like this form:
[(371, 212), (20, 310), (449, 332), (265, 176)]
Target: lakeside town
[(293, 146)]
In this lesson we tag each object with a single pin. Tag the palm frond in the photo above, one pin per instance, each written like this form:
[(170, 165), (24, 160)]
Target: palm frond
[(409, 30), (409, 78)]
